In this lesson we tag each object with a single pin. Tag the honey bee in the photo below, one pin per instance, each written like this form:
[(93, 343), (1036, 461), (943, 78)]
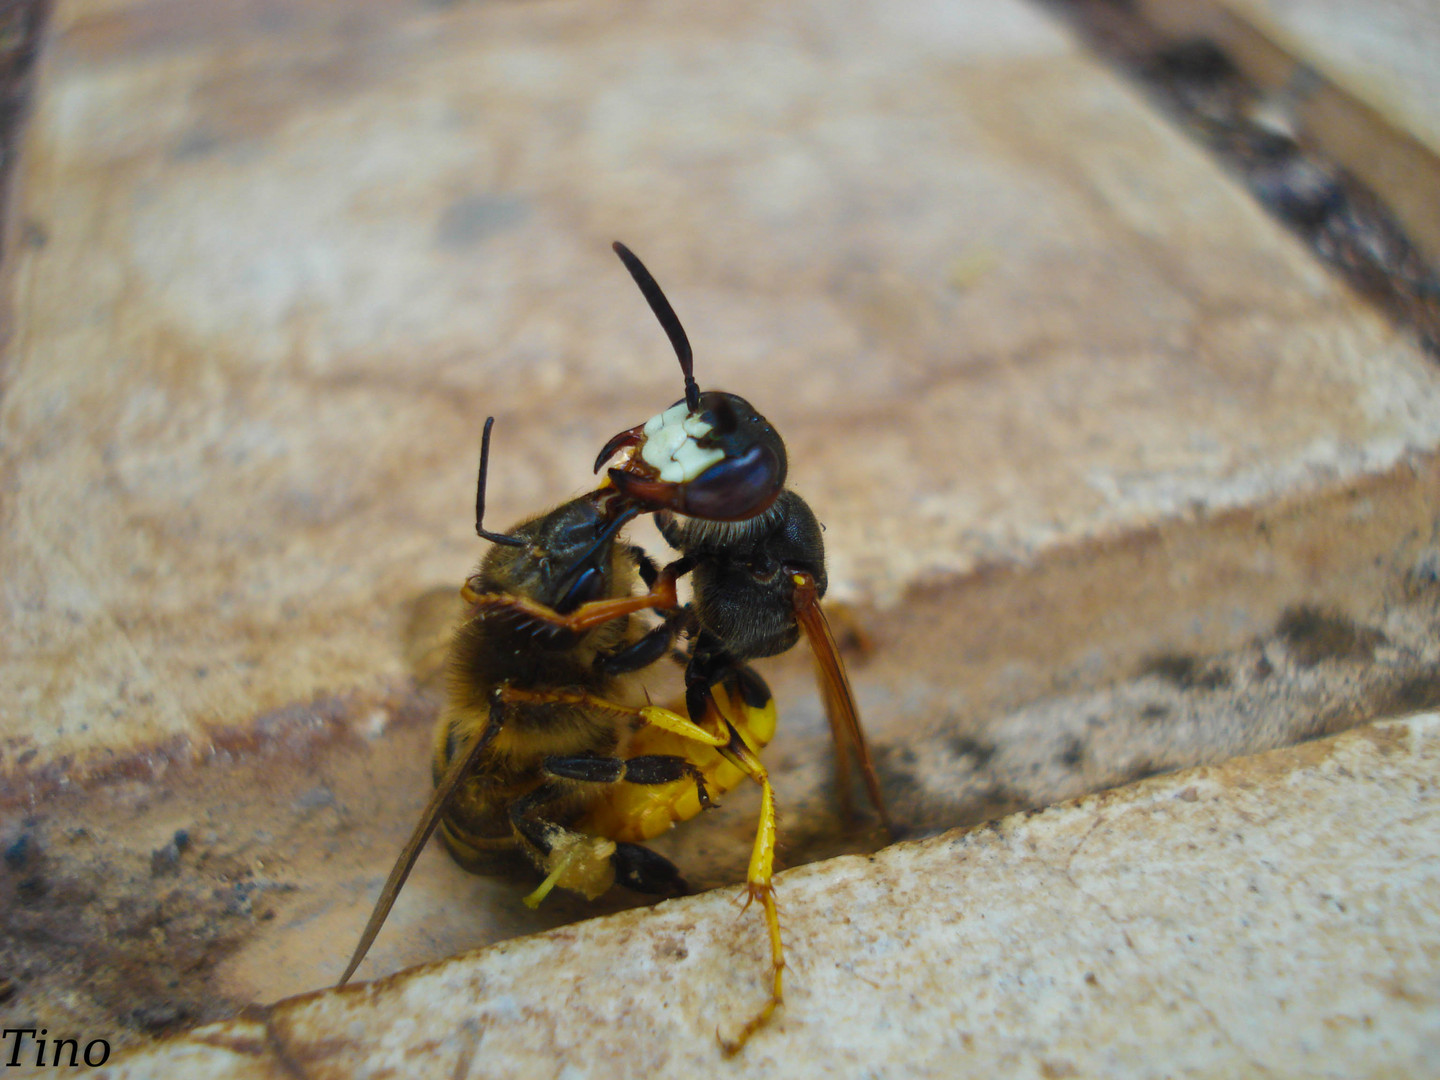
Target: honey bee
[(536, 749)]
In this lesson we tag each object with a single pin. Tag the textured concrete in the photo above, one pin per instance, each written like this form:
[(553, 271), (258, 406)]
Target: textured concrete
[(1094, 440), (1383, 51), (1355, 81), (276, 268), (1271, 916)]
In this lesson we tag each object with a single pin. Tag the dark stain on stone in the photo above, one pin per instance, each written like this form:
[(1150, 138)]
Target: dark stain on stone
[(1415, 694), (1143, 770), (1313, 635), (1155, 712), (1425, 574), (194, 144), (998, 802), (977, 751), (21, 852), (1186, 672), (22, 25), (1073, 754), (1345, 223), (159, 1018), (166, 859)]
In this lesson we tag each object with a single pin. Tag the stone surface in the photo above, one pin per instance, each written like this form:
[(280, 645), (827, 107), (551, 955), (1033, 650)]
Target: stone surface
[(277, 267), (1274, 915), (1382, 51), (1353, 83), (1085, 426)]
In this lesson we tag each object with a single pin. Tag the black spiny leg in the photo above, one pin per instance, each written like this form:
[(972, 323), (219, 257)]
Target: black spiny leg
[(643, 870), (647, 769), (649, 571), (540, 834), (647, 649), (708, 662)]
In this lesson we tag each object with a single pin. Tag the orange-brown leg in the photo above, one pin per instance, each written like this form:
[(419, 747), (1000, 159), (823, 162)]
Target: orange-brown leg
[(586, 616)]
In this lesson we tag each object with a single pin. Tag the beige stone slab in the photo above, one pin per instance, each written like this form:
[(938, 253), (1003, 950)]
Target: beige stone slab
[(1071, 677), (280, 263), (1383, 51), (1274, 915), (1351, 81)]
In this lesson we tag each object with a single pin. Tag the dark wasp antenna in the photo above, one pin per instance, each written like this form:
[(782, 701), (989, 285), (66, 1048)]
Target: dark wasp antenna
[(668, 320)]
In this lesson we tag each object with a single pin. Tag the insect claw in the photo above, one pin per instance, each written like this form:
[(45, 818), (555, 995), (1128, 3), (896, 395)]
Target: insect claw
[(728, 1048)]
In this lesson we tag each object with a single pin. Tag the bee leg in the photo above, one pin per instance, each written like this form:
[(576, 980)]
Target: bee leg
[(645, 871), (636, 867), (646, 650), (758, 885), (569, 859), (646, 769), (649, 571)]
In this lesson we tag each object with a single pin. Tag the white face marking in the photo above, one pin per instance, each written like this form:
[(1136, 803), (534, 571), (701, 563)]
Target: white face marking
[(670, 445)]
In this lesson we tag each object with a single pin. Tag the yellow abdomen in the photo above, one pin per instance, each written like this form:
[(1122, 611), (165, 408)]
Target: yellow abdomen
[(640, 812)]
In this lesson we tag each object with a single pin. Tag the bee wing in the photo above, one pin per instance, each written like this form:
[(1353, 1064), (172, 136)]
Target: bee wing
[(429, 818), (840, 707)]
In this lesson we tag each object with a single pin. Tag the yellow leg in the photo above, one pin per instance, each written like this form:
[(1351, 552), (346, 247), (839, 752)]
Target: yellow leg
[(759, 887), (676, 724), (533, 900), (762, 857)]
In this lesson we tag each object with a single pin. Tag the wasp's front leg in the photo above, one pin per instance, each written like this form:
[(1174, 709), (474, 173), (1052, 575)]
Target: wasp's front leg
[(587, 616)]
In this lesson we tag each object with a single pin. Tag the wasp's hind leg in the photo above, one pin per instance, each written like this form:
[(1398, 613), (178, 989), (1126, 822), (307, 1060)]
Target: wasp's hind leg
[(758, 885), (750, 689)]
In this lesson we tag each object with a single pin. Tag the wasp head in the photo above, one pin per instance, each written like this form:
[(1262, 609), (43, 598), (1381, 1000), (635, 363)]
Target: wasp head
[(720, 462), (710, 455)]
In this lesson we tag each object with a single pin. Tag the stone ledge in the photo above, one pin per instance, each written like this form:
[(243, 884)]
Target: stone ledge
[(1272, 914)]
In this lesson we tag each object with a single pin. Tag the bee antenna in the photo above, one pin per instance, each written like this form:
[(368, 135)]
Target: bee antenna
[(668, 321), (480, 530)]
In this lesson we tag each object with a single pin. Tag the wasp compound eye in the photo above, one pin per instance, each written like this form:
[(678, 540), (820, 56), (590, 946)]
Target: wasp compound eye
[(736, 488)]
